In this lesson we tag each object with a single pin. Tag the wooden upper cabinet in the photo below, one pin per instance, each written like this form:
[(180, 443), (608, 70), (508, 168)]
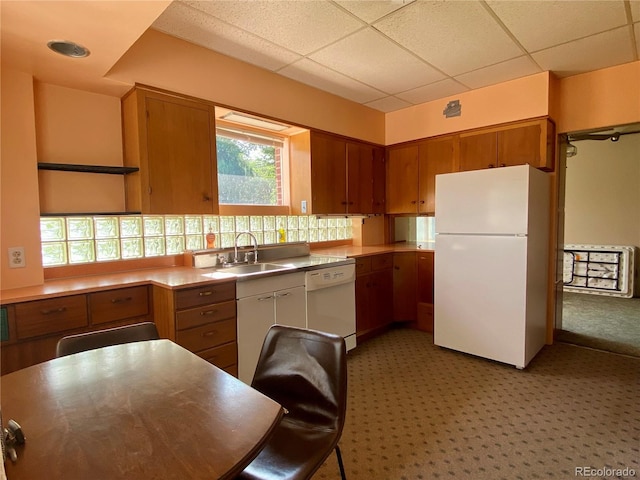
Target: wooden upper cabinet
[(478, 151), (379, 180), (172, 140), (328, 174), (402, 179), (435, 157), (334, 175), (530, 142)]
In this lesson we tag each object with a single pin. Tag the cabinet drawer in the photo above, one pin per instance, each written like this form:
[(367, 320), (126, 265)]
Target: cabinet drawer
[(382, 262), (223, 356), (54, 315), (194, 297), (363, 265), (207, 336), (206, 314), (118, 304)]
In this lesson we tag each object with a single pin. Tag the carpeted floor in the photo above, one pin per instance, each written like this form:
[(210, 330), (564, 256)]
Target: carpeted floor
[(600, 321), (417, 411)]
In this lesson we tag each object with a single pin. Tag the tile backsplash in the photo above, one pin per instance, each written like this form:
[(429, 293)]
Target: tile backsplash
[(74, 240)]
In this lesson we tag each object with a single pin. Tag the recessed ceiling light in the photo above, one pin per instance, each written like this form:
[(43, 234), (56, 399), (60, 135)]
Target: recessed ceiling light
[(254, 121), (68, 49)]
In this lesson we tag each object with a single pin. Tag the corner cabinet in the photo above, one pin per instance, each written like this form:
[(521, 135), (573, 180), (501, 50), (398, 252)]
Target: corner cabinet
[(171, 140), (335, 175), (414, 167)]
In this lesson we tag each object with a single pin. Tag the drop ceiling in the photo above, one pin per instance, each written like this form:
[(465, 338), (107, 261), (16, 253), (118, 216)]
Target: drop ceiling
[(387, 55), (393, 54)]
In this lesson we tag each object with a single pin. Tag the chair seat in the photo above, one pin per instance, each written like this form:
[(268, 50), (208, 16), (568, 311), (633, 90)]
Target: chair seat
[(294, 451)]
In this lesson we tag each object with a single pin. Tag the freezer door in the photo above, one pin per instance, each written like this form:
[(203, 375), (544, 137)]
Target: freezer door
[(492, 201), (480, 296)]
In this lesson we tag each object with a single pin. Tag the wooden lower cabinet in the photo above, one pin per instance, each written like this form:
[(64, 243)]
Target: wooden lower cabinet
[(374, 284), (404, 287), (202, 319), (34, 328), (425, 291)]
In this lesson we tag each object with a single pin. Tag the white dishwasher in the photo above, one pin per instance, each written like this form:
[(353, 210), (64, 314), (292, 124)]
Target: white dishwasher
[(331, 301)]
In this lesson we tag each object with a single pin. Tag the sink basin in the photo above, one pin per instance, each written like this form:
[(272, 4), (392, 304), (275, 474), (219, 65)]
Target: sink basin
[(250, 269)]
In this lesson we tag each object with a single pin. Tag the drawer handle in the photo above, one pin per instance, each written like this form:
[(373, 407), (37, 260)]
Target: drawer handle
[(210, 333), (283, 295), (265, 298), (53, 310), (207, 293), (122, 300), (208, 312)]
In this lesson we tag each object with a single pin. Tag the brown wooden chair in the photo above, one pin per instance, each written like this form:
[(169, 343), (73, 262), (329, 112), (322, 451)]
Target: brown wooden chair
[(306, 372), (103, 338)]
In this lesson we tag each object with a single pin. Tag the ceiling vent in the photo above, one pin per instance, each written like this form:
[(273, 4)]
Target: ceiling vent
[(68, 49)]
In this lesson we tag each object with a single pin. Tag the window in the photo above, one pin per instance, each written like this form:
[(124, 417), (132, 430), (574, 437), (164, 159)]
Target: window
[(251, 167)]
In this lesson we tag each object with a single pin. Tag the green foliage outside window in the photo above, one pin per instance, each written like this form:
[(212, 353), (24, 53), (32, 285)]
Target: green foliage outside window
[(246, 172)]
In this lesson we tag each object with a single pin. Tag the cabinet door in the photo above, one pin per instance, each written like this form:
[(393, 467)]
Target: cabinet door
[(256, 314), (379, 180), (520, 146), (381, 295), (181, 159), (328, 174), (359, 178), (425, 291), (402, 180), (478, 151), (435, 157), (363, 304), (291, 308), (404, 286)]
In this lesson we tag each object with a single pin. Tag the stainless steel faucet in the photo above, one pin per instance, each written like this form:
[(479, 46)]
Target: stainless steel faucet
[(255, 247)]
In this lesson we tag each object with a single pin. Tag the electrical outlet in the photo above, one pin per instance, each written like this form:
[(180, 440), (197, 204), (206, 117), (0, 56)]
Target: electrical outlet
[(16, 257)]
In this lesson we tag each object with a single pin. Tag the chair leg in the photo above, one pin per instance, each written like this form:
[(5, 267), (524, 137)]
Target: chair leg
[(339, 455)]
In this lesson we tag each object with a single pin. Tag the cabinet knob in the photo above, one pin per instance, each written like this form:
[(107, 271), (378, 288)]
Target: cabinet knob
[(491, 165), (206, 198), (503, 164), (421, 202), (413, 202), (207, 293)]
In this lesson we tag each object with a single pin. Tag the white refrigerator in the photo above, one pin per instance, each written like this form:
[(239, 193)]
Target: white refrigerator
[(491, 262)]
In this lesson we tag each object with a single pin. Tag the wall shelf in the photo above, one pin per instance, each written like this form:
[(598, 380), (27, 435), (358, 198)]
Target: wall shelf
[(68, 167)]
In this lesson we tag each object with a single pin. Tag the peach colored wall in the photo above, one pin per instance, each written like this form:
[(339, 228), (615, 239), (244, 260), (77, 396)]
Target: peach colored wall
[(519, 99), (603, 98), (166, 62), (19, 223), (83, 128)]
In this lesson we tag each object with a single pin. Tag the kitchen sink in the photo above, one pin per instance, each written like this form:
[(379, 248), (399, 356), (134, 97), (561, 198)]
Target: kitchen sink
[(252, 269)]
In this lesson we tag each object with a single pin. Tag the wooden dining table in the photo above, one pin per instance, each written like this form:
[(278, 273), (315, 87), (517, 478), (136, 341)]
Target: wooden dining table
[(144, 410)]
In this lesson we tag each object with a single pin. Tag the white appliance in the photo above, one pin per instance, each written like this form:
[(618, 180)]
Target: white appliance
[(491, 262), (331, 301)]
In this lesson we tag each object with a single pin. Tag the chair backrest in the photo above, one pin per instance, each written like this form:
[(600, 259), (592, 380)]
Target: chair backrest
[(103, 338), (306, 372)]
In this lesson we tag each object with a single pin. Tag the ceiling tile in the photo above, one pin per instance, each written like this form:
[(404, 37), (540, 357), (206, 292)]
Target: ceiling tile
[(592, 53), (371, 58), (316, 75), (501, 72), (372, 10), (302, 27), (388, 104), (427, 93), (192, 25), (455, 37), (543, 23)]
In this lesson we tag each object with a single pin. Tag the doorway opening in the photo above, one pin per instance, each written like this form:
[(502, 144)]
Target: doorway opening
[(602, 209)]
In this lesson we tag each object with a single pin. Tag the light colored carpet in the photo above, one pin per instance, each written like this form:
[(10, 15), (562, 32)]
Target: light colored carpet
[(417, 411), (600, 321)]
